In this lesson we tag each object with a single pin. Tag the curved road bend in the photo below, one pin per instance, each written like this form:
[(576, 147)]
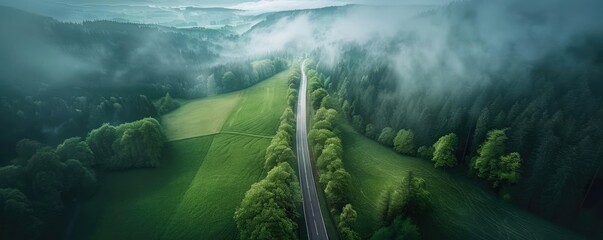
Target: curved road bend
[(315, 224)]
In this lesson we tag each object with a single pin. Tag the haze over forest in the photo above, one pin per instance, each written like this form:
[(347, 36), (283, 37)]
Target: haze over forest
[(466, 119)]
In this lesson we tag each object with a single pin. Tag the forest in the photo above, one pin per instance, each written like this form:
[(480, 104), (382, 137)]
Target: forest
[(460, 119), (121, 83), (545, 112), (60, 128)]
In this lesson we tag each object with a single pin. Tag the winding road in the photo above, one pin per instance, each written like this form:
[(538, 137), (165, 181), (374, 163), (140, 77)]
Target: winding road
[(315, 223)]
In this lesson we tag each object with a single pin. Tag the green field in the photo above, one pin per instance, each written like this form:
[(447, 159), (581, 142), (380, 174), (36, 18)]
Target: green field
[(134, 203), (215, 152), (462, 208), (201, 117), (264, 101), (207, 207)]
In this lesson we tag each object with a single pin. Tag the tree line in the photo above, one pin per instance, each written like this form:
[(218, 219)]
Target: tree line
[(41, 182), (548, 120), (327, 149), (53, 118), (269, 209), (234, 76), (400, 205), (96, 72)]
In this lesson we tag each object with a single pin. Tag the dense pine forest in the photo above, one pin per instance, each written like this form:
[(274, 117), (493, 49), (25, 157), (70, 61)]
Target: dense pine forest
[(549, 109)]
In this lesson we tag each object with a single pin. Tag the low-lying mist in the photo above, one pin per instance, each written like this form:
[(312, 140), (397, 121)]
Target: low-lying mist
[(459, 43)]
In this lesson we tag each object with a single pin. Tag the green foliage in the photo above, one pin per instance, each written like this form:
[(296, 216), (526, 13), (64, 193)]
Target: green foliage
[(348, 216), (323, 124), (130, 145), (44, 160), (387, 136), (318, 138), (400, 229), (332, 151), (50, 178), (101, 140), (294, 78), (167, 104), (325, 114), (347, 219), (268, 210), (205, 209), (314, 82), (444, 150), (337, 187), (373, 165), (317, 97), (489, 153), (139, 144), (79, 180), (74, 148), (292, 97), (328, 102), (238, 75), (328, 148), (288, 116), (490, 163), (292, 93), (17, 219), (404, 142), (268, 67), (280, 148), (278, 152), (409, 198), (509, 167), (543, 102)]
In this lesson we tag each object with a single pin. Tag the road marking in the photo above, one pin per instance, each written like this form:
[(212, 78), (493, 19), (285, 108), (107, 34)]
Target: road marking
[(305, 164)]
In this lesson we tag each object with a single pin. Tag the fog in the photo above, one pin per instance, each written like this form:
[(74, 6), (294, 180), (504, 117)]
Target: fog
[(457, 43)]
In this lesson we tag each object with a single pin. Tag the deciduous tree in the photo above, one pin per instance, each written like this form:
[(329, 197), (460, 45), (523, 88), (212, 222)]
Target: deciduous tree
[(444, 149)]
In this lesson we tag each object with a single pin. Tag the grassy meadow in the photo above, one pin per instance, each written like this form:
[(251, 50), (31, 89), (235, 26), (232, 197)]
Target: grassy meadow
[(461, 208), (201, 117), (215, 152)]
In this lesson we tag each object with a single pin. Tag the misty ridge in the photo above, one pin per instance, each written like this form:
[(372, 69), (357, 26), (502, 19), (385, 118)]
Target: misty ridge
[(530, 72), (463, 42), (532, 69), (460, 43)]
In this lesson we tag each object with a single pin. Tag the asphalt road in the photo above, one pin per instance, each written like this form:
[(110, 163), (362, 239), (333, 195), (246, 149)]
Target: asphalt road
[(315, 224)]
